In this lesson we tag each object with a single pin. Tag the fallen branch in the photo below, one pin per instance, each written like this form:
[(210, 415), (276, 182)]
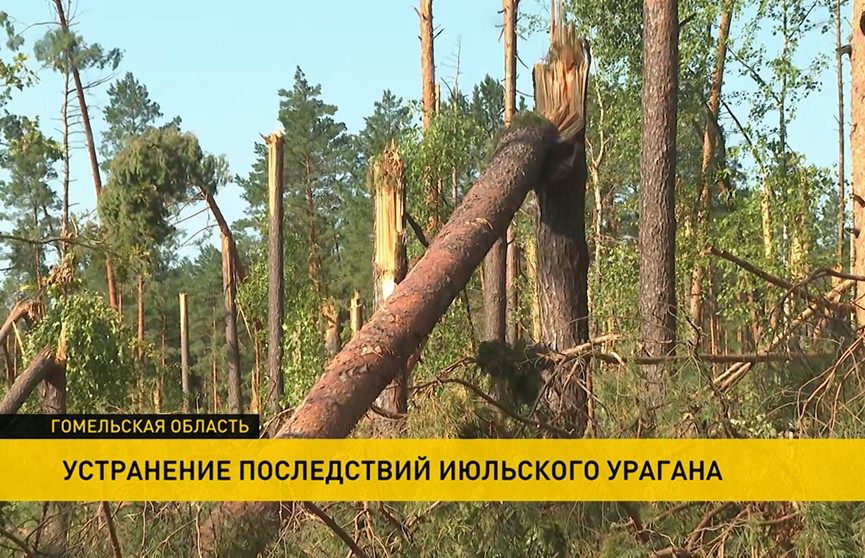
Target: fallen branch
[(798, 289), (333, 526), (22, 310), (733, 374)]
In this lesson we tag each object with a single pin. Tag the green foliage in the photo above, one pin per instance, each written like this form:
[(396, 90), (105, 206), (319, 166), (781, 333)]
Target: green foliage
[(149, 178), (98, 366)]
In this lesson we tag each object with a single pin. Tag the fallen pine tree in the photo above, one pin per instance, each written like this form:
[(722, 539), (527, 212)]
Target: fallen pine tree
[(540, 152)]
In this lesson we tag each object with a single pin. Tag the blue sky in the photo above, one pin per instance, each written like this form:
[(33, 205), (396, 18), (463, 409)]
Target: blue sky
[(219, 64)]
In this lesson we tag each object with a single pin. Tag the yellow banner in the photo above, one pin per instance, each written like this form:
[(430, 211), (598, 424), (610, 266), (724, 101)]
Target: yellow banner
[(430, 470)]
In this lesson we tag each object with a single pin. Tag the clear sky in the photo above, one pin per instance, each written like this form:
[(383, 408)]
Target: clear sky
[(218, 64)]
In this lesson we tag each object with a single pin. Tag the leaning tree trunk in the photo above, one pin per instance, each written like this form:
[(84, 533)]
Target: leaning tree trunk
[(275, 294), (562, 251), (657, 236), (710, 135), (398, 328), (88, 134)]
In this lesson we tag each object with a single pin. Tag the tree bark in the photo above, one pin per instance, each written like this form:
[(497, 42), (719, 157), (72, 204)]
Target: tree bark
[(706, 170), (509, 11), (390, 264), (42, 367), (495, 292), (657, 236), (399, 327), (56, 526), (22, 310), (427, 62), (275, 292), (562, 250), (857, 149), (184, 353), (91, 146), (139, 361), (239, 268), (839, 64), (235, 397)]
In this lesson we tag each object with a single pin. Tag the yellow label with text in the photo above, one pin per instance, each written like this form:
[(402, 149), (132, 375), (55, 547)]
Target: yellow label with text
[(432, 470)]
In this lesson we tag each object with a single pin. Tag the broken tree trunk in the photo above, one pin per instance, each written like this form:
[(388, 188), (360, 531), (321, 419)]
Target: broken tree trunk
[(710, 136), (23, 310), (427, 62), (139, 360), (562, 251), (387, 181), (356, 314), (235, 401), (184, 352), (56, 523), (333, 327), (43, 367), (397, 330), (275, 294)]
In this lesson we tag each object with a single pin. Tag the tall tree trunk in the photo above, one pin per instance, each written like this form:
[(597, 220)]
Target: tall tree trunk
[(64, 122), (857, 147), (387, 178), (427, 62), (88, 134), (707, 168), (235, 397), (429, 100), (839, 65), (275, 294), (184, 353), (357, 375), (657, 236), (140, 356), (510, 9)]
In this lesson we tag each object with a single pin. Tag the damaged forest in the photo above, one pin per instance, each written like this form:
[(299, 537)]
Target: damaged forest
[(634, 219)]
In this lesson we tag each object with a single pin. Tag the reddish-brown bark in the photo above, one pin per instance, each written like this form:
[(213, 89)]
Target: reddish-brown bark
[(399, 327)]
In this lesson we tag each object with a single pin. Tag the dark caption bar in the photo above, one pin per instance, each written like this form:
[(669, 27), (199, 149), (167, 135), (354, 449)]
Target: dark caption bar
[(129, 426)]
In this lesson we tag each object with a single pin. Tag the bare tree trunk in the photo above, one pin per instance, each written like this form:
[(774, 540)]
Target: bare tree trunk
[(42, 367), (430, 100), (88, 134), (657, 237), (857, 146), (184, 353), (427, 62), (509, 10), (495, 292), (215, 404), (64, 122), (139, 362), (707, 167), (839, 59), (532, 272), (275, 294), (333, 328), (235, 397), (357, 375)]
